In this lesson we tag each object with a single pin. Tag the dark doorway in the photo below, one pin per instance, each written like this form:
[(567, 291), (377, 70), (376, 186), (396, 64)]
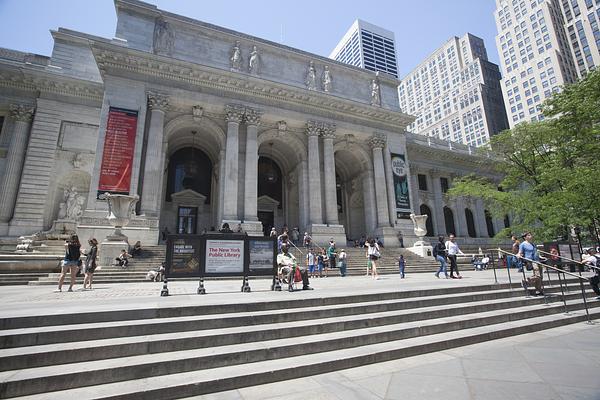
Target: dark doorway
[(268, 220), (489, 223), (429, 223), (449, 221), (187, 218), (470, 223)]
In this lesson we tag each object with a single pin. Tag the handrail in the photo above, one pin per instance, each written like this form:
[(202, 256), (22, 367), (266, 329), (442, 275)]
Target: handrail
[(559, 256), (541, 265)]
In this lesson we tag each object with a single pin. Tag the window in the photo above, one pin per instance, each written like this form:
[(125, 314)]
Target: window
[(470, 223), (444, 184), (422, 182)]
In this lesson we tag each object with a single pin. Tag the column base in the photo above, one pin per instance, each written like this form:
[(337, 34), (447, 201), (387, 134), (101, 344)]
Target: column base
[(406, 227), (25, 227), (388, 235), (321, 234), (422, 249), (253, 228)]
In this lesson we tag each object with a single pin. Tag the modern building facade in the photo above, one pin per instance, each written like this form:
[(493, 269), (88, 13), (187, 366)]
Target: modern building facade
[(204, 125), (535, 55), (582, 24), (455, 94), (368, 46)]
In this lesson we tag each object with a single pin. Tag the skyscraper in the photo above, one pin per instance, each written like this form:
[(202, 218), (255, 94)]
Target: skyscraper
[(582, 20), (534, 53), (455, 94), (368, 46)]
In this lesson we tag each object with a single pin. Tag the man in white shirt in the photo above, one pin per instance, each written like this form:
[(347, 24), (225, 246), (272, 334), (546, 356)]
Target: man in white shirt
[(287, 266), (452, 250)]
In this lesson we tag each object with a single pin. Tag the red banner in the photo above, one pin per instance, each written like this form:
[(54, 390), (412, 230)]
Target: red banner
[(117, 158)]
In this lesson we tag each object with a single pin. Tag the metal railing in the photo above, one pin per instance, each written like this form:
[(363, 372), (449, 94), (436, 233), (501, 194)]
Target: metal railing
[(559, 271)]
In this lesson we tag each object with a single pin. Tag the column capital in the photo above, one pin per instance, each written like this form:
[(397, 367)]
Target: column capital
[(377, 141), (252, 116), (158, 101), (21, 112), (234, 113), (328, 130), (312, 128)]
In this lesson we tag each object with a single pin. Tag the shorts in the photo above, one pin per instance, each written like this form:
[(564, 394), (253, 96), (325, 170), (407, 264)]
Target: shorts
[(69, 263), (373, 257), (311, 268), (320, 266)]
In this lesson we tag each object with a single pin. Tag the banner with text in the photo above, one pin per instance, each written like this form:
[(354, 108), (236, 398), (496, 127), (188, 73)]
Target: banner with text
[(224, 257), (117, 157), (401, 191)]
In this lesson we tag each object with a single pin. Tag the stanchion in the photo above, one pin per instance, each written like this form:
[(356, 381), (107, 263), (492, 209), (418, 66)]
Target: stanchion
[(246, 285), (494, 268), (562, 291), (201, 289), (165, 290), (276, 286)]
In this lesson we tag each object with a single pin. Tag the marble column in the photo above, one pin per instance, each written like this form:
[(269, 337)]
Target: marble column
[(377, 143), (155, 157), (314, 173), (369, 202), (303, 194), (22, 116), (389, 180), (331, 210), (438, 203), (221, 185), (233, 116), (251, 170), (479, 214)]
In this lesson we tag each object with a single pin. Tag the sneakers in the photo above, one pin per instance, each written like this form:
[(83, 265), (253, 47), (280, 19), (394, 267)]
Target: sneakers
[(70, 289), (437, 275), (307, 288), (57, 290), (524, 284)]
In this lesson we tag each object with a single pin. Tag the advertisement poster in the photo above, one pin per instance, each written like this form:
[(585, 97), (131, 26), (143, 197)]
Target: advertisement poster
[(262, 256), (117, 157), (401, 191), (184, 257), (224, 257)]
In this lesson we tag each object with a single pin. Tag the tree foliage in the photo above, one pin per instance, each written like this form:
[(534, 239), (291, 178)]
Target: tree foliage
[(550, 169)]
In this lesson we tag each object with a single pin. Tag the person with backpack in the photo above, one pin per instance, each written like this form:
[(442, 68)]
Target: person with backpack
[(593, 261), (71, 262), (530, 257), (439, 253)]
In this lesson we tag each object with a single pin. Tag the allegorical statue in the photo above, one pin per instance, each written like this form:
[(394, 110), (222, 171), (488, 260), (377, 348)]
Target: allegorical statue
[(236, 57), (253, 61), (311, 77), (326, 79), (72, 206), (163, 37), (375, 93)]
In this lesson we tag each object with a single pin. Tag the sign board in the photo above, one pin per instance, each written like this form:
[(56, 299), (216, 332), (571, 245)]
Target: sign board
[(224, 257), (117, 156), (183, 256), (263, 256), (401, 187)]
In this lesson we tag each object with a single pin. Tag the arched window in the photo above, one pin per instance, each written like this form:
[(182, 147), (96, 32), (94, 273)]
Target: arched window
[(429, 223), (270, 180), (470, 223), (489, 223), (189, 169), (449, 221)]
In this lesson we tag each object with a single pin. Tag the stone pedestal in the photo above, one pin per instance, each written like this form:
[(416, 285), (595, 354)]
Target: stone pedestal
[(321, 234), (111, 249), (253, 228), (422, 249), (63, 227), (388, 235)]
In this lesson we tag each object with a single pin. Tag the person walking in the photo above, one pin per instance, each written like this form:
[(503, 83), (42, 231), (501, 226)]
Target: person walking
[(452, 250), (593, 261), (374, 254), (70, 262), (401, 265), (528, 252), (342, 262), (310, 261), (331, 254), (90, 264), (439, 253), (320, 262), (513, 261)]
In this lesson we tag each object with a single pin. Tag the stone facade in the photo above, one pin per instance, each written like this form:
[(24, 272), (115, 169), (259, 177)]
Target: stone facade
[(227, 131)]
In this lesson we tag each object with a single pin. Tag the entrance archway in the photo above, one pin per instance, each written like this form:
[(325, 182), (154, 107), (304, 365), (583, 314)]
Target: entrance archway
[(425, 210)]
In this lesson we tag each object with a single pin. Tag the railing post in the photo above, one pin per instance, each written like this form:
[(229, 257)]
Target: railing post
[(587, 312), (562, 291), (494, 267)]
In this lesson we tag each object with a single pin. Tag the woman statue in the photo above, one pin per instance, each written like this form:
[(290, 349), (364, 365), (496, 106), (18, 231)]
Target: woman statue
[(311, 77), (326, 79), (236, 57), (253, 61)]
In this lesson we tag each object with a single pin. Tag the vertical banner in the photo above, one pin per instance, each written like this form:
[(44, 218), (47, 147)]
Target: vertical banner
[(401, 192), (117, 157)]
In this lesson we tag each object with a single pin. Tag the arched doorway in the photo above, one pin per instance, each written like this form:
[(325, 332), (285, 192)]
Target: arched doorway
[(425, 210), (270, 192), (489, 223), (449, 221), (188, 191), (470, 223)]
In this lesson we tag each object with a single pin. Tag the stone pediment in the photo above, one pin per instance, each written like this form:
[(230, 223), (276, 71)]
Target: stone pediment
[(188, 197), (266, 203)]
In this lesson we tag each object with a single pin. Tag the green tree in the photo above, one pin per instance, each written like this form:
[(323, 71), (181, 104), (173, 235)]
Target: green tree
[(550, 169)]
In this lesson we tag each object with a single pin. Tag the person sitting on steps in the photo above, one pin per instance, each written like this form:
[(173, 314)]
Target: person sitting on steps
[(287, 265), (123, 259)]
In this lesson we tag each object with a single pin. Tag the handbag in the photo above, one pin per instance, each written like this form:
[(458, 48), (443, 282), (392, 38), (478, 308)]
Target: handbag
[(297, 275)]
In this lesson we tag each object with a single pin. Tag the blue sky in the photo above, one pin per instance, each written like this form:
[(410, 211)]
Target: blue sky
[(315, 26)]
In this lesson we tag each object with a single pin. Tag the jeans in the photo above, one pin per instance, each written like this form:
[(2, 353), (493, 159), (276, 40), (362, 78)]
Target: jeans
[(401, 266), (453, 266), (443, 265)]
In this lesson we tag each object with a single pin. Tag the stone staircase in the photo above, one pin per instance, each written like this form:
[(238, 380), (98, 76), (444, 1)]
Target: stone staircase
[(176, 352)]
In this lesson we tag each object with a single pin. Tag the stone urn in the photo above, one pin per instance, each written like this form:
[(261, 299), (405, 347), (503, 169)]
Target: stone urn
[(420, 228), (120, 209)]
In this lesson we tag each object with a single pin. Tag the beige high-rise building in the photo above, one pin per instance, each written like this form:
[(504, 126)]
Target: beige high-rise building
[(534, 54), (582, 24), (455, 94)]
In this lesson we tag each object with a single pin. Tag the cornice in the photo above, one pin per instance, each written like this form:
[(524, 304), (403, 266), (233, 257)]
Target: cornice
[(35, 80), (117, 60)]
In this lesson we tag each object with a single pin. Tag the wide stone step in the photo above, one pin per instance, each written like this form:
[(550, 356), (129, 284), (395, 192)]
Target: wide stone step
[(258, 363)]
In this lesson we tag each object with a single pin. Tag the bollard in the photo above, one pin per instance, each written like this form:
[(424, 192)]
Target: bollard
[(201, 289), (246, 285), (165, 290), (276, 286)]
